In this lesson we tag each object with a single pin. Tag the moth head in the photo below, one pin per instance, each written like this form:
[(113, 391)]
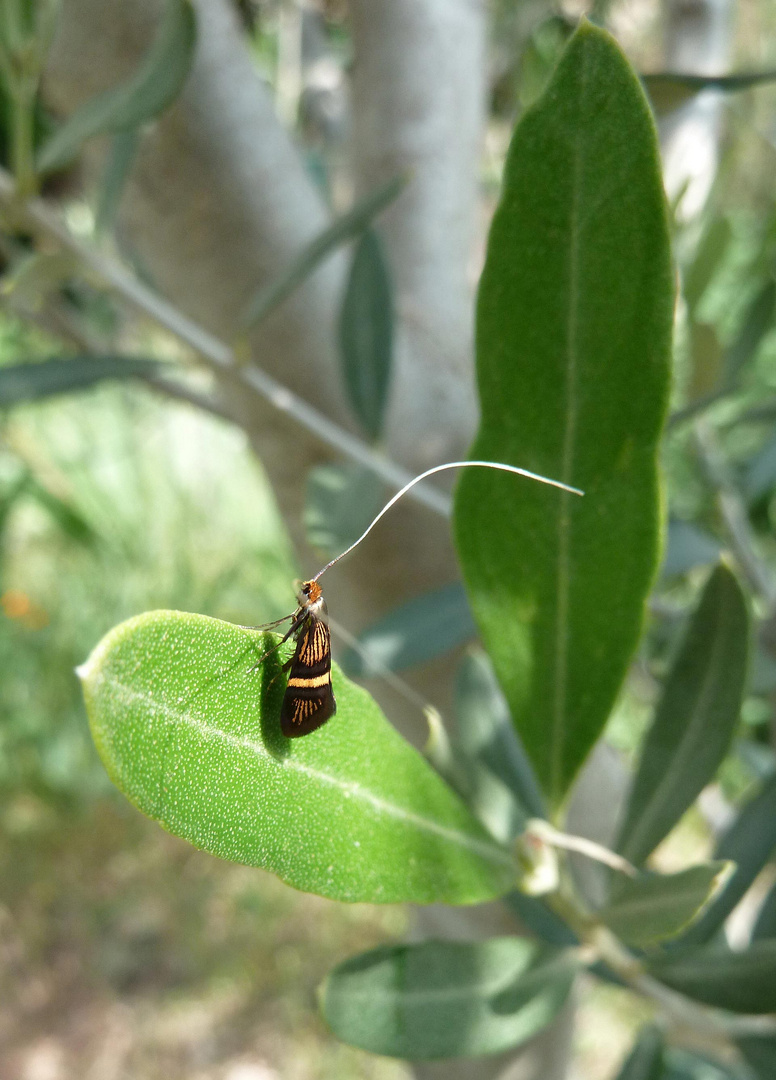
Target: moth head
[(310, 596)]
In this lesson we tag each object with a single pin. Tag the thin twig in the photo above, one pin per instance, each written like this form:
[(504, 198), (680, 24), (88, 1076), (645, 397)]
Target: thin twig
[(734, 515), (216, 354), (178, 390), (687, 412), (715, 1024), (589, 848)]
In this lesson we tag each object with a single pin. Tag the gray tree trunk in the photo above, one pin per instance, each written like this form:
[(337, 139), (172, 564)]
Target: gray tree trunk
[(220, 201), (698, 41)]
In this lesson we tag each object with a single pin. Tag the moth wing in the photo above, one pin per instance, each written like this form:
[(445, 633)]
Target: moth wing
[(299, 714)]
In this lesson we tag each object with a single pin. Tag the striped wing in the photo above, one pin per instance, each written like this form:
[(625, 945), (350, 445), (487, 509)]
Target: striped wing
[(308, 701)]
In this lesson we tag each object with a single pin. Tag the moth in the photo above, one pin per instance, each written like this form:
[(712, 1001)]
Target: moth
[(308, 701)]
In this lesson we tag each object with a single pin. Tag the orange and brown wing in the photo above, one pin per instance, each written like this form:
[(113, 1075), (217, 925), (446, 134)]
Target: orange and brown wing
[(308, 701)]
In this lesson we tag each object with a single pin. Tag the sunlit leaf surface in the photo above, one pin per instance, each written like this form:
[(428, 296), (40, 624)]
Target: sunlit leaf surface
[(190, 733), (573, 330)]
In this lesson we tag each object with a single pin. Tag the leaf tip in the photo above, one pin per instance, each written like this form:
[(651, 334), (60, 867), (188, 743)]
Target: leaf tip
[(727, 868), (87, 669)]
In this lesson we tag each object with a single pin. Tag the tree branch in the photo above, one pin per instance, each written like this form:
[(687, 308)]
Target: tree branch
[(216, 354)]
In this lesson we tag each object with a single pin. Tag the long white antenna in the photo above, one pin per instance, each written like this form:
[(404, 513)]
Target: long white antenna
[(441, 468)]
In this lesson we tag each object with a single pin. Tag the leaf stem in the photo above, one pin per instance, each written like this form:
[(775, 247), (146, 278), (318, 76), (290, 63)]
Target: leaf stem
[(734, 515), (680, 1012), (23, 94)]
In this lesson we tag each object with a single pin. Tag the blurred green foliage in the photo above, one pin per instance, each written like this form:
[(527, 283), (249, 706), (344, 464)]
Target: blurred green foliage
[(149, 506)]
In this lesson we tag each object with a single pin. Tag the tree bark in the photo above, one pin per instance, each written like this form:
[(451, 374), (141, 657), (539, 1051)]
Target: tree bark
[(219, 202), (418, 109), (698, 41)]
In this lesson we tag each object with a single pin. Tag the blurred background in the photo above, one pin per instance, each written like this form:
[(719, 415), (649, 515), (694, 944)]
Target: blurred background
[(124, 952)]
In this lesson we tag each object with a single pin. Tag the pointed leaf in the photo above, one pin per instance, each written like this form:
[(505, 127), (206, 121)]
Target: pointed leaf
[(344, 228), (749, 843), (444, 999), (540, 919), (695, 719), (45, 378), (743, 982), (686, 1065), (645, 1061), (67, 517), (366, 333), (668, 90), (425, 627), (486, 733), (653, 908), (573, 331), (494, 804), (121, 158), (154, 85), (190, 733)]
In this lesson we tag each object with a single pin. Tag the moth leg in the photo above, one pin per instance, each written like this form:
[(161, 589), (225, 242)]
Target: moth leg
[(266, 625), (297, 622)]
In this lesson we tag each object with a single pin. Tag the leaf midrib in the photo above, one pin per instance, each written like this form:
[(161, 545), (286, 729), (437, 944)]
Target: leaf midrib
[(559, 726), (349, 788), (546, 975), (657, 904)]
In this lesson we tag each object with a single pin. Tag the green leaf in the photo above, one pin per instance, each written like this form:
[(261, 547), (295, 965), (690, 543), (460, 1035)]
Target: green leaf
[(749, 843), (695, 718), (442, 999), (653, 908), (668, 90), (686, 1065), (366, 333), (760, 1055), (765, 927), (425, 627), (121, 158), (743, 982), (67, 517), (340, 502), (486, 734), (155, 84), (310, 258), (573, 332), (540, 919), (15, 491), (63, 375), (190, 733), (645, 1061)]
